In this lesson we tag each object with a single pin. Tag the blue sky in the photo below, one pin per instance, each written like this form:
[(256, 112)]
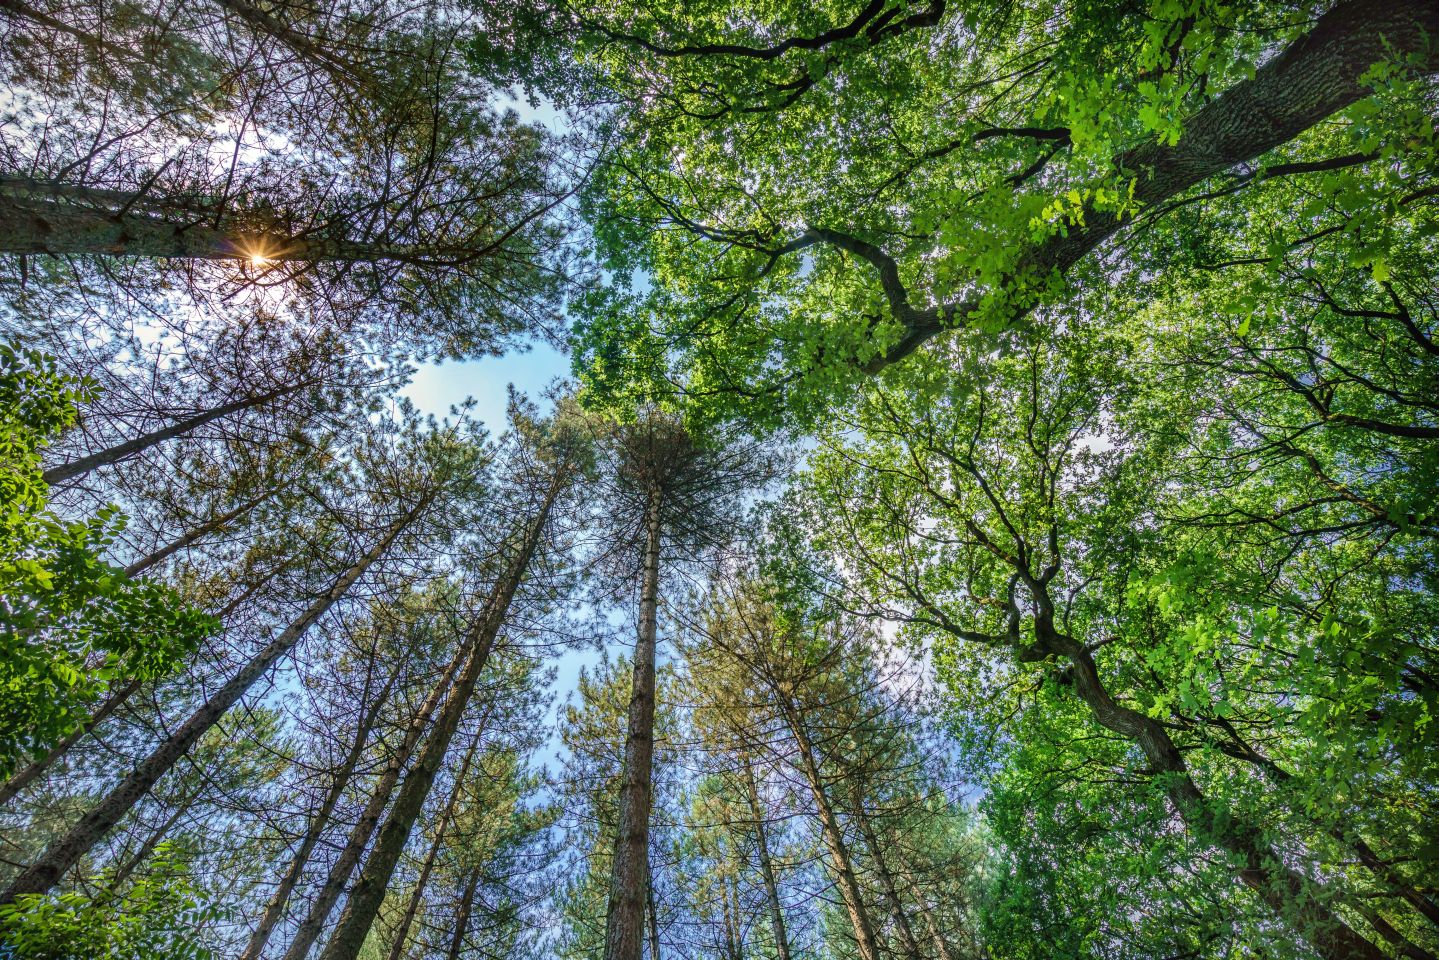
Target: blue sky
[(438, 386)]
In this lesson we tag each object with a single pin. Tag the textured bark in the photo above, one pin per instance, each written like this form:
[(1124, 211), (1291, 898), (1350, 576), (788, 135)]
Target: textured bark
[(907, 940), (32, 771), (195, 534), (344, 866), (52, 219), (839, 854), (766, 865), (369, 890), (65, 851), (315, 829), (412, 909), (76, 468), (624, 920), (1315, 77)]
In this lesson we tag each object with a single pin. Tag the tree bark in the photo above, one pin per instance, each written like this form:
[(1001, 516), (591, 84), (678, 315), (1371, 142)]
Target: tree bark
[(66, 851), (32, 771), (315, 830), (76, 468), (369, 890), (908, 941), (329, 893), (462, 915), (624, 920), (840, 858), (766, 865), (195, 533), (412, 909)]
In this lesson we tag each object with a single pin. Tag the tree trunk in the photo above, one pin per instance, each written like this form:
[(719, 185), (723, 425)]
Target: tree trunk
[(652, 914), (369, 890), (412, 909), (315, 830), (76, 468), (462, 915), (1290, 894), (907, 940), (40, 217), (766, 865), (152, 841), (66, 851), (32, 771), (834, 840), (624, 921), (196, 533), (344, 866)]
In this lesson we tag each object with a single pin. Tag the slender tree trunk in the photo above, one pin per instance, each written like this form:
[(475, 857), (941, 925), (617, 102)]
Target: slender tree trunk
[(32, 771), (624, 922), (941, 948), (766, 865), (652, 914), (907, 940), (65, 852), (344, 866), (76, 468), (196, 533), (845, 878), (462, 915), (1284, 890), (369, 890), (412, 909), (315, 829), (153, 840)]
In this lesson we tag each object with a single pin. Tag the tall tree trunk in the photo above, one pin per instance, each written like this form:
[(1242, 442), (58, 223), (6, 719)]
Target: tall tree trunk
[(1287, 892), (315, 829), (318, 915), (43, 217), (840, 858), (65, 852), (766, 865), (196, 533), (907, 940), (28, 774), (412, 909), (624, 921), (462, 915), (79, 467), (652, 914), (369, 890)]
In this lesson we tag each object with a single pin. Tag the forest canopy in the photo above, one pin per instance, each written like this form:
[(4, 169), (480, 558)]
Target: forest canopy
[(989, 510)]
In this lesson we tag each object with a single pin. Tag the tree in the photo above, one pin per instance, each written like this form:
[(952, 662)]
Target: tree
[(72, 626), (816, 193), (665, 486)]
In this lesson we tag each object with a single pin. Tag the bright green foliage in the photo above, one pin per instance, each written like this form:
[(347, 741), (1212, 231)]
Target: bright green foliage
[(158, 917), (71, 624), (800, 186)]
